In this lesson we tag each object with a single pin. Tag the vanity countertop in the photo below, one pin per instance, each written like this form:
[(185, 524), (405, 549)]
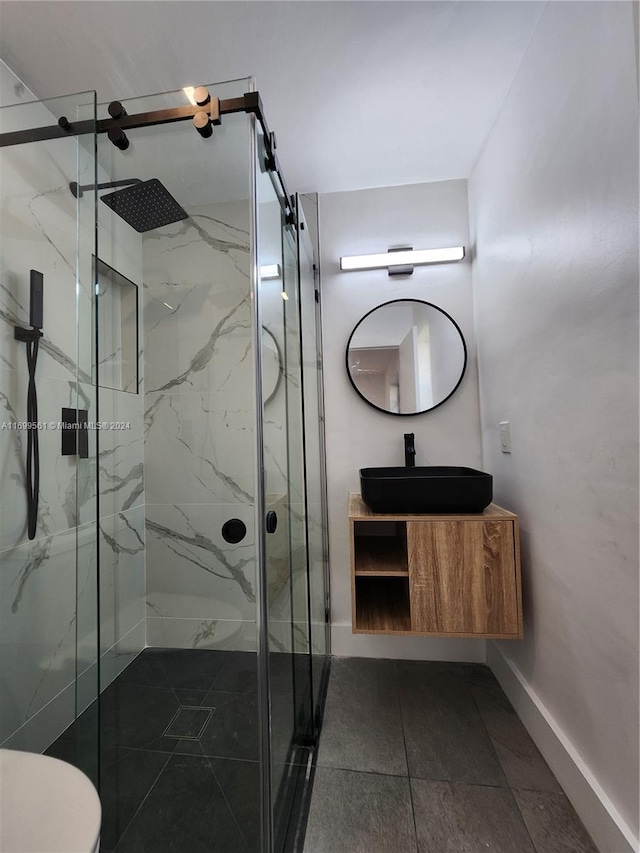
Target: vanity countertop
[(359, 510)]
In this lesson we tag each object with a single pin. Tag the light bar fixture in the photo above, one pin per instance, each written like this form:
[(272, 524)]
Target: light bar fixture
[(403, 260), (270, 271)]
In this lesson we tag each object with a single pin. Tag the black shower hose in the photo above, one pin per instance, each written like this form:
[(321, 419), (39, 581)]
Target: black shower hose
[(33, 450)]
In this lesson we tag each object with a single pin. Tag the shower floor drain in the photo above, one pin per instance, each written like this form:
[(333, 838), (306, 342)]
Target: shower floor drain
[(188, 722)]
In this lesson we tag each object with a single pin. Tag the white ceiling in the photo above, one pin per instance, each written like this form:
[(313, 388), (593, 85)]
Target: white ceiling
[(360, 94)]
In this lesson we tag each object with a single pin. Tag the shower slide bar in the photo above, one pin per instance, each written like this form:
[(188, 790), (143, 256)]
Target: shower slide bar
[(250, 102)]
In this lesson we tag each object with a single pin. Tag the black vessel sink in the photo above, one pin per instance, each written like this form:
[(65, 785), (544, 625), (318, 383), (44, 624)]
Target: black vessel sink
[(432, 489)]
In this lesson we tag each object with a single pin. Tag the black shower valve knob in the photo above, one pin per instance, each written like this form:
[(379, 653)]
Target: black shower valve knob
[(234, 530)]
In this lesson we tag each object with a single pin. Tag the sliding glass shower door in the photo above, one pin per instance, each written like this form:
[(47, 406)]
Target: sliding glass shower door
[(157, 631), (285, 564), (48, 602)]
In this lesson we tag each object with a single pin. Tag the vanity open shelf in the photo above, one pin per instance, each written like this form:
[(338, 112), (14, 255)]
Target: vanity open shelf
[(381, 549), (445, 575)]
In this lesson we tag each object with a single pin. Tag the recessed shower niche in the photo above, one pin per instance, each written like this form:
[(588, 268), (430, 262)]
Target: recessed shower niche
[(116, 327)]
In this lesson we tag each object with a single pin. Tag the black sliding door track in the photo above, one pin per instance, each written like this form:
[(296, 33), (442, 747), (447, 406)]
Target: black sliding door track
[(248, 103)]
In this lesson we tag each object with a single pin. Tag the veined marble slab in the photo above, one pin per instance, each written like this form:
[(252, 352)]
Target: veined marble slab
[(122, 575), (38, 615), (191, 571)]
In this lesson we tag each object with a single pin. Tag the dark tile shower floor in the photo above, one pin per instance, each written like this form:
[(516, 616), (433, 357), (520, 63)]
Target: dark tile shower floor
[(179, 754), (421, 757)]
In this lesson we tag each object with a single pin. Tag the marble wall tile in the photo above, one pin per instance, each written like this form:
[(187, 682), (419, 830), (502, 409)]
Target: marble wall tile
[(39, 217), (198, 338), (121, 452), (57, 506), (122, 575), (191, 570), (48, 587), (40, 730), (198, 449), (37, 626), (122, 653), (199, 441), (181, 633), (68, 483)]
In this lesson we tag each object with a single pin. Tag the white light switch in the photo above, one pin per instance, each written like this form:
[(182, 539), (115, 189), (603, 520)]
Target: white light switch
[(505, 437)]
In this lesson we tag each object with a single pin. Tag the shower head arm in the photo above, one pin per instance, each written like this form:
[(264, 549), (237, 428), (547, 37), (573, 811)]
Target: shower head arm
[(78, 190)]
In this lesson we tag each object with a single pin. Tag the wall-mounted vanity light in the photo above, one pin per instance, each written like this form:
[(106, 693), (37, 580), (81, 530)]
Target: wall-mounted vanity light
[(401, 261)]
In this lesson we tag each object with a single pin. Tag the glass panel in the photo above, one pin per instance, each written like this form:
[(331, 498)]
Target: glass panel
[(48, 635), (177, 487), (117, 341), (314, 442), (285, 547)]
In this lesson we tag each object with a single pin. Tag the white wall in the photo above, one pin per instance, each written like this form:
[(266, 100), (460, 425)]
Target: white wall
[(553, 201), (425, 216)]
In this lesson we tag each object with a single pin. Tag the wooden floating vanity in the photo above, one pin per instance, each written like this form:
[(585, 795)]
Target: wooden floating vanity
[(435, 575)]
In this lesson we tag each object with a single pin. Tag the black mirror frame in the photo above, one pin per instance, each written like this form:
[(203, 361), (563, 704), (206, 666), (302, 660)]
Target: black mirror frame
[(423, 411)]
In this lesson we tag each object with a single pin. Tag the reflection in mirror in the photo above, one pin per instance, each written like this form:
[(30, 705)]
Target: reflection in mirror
[(406, 357), (271, 365), (117, 309)]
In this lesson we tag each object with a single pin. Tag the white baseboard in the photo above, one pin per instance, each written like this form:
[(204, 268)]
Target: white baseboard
[(608, 829), (344, 643)]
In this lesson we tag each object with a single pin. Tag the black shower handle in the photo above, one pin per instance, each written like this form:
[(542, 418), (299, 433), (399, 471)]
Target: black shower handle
[(271, 521)]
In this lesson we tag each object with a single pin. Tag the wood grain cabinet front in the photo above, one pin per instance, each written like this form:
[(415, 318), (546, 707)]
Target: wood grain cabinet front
[(446, 575)]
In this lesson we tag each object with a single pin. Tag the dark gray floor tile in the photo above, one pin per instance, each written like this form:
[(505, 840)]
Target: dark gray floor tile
[(521, 760), (553, 823), (411, 672), (480, 675), (190, 697), (282, 727), (451, 818), (185, 811), (146, 670), (192, 669), (135, 716), (281, 669), (444, 733), (232, 731), (239, 673), (78, 745), (240, 783), (360, 813), (126, 776), (188, 669), (362, 727)]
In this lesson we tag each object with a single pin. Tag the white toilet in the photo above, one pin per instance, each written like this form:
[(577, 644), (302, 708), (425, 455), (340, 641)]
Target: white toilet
[(46, 806)]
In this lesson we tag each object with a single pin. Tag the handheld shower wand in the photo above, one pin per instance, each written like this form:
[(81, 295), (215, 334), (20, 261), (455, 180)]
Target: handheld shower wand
[(32, 339)]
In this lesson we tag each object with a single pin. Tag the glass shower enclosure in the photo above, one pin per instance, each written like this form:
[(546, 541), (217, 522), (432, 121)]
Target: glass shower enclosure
[(166, 628)]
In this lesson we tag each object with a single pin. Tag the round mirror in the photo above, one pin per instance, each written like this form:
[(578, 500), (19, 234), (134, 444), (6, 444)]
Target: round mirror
[(271, 365), (406, 357)]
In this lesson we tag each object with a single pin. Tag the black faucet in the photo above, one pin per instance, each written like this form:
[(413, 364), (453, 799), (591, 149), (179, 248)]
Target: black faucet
[(409, 450)]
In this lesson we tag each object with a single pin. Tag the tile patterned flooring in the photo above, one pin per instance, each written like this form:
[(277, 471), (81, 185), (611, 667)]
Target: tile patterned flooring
[(171, 780), (414, 757), (422, 757)]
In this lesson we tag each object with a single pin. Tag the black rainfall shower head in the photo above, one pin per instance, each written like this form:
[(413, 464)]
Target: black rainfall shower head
[(145, 205)]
